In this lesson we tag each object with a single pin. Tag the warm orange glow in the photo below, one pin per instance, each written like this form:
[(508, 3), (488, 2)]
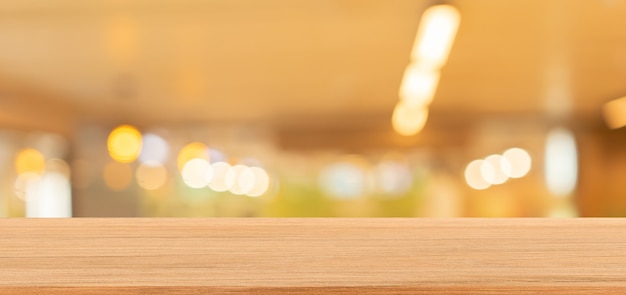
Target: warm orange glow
[(436, 34), (124, 144), (30, 160), (407, 120), (191, 85), (194, 150)]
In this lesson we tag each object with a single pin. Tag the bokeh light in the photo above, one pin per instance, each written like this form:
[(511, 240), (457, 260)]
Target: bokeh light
[(561, 162), (218, 182), (117, 176), (407, 120), (261, 182), (197, 173), (30, 160), (500, 169), (154, 149), (232, 179), (418, 86), (151, 175), (488, 172), (52, 197), (194, 150), (146, 115), (246, 180), (437, 29), (519, 160), (124, 144), (474, 175)]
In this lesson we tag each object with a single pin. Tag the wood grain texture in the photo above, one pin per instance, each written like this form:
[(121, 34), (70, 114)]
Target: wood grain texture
[(339, 256)]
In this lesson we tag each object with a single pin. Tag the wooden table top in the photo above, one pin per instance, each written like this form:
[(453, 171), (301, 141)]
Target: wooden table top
[(340, 256)]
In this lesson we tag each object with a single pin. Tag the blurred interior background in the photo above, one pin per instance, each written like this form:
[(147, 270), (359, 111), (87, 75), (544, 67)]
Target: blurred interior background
[(313, 108)]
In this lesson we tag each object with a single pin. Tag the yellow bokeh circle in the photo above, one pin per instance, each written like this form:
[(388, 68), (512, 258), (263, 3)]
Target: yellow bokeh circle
[(30, 160), (194, 150), (124, 144)]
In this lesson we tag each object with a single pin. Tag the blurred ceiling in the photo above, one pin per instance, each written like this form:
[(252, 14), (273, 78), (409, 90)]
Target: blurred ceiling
[(304, 61)]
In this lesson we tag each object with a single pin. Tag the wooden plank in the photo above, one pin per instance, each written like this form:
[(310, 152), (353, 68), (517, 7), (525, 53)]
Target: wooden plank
[(341, 256)]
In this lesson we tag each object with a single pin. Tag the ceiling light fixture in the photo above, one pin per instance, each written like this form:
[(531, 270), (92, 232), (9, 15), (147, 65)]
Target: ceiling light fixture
[(435, 36), (430, 52)]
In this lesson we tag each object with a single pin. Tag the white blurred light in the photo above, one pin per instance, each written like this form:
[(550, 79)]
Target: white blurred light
[(501, 168), (488, 172), (343, 180), (54, 197), (197, 173), (261, 182), (234, 181), (561, 162), (48, 195), (436, 33), (154, 149), (474, 177), (504, 166), (519, 160), (218, 182), (246, 180), (418, 86)]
